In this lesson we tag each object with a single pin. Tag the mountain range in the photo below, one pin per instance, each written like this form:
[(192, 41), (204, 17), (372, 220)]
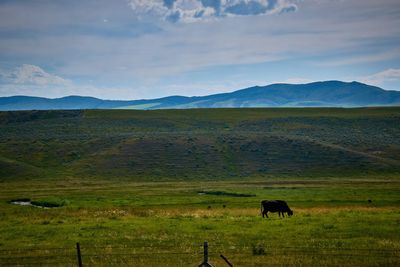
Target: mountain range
[(317, 94)]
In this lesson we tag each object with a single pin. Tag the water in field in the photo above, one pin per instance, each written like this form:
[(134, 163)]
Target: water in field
[(28, 203), (22, 203)]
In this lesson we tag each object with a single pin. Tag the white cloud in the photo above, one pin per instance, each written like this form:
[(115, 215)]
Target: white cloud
[(195, 10), (32, 80), (113, 93), (380, 78), (31, 75), (332, 34)]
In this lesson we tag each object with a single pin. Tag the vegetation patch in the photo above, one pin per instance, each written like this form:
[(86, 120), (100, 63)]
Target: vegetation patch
[(196, 144), (258, 250), (20, 200), (222, 193), (46, 204)]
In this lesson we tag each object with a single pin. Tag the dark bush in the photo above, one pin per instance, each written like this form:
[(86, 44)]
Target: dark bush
[(258, 250)]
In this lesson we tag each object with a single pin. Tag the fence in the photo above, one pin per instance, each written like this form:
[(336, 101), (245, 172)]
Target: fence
[(196, 254)]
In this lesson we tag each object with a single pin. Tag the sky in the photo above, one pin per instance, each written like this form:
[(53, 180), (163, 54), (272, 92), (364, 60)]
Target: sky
[(139, 49)]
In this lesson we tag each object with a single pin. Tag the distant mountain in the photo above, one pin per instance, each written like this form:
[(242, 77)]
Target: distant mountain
[(318, 94)]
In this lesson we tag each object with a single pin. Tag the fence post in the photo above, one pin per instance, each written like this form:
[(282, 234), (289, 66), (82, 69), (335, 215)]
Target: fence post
[(78, 251), (205, 252), (205, 261)]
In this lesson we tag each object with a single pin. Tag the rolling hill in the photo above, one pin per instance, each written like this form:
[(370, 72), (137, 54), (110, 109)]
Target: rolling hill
[(200, 143), (318, 94)]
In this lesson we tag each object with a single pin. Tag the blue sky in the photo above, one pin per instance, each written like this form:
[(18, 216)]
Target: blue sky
[(133, 49)]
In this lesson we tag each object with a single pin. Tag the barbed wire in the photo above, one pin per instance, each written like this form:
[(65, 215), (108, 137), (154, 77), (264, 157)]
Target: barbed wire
[(186, 246), (133, 252)]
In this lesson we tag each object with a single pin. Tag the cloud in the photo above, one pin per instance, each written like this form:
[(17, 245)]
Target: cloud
[(195, 10), (32, 80), (380, 78), (325, 39), (357, 58), (31, 75)]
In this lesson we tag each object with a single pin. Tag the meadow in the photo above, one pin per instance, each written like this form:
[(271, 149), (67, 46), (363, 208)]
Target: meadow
[(130, 192)]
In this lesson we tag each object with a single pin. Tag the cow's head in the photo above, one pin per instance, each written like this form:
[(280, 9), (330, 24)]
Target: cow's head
[(290, 212)]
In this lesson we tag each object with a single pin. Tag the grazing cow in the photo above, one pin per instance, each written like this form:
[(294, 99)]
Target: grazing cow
[(279, 206)]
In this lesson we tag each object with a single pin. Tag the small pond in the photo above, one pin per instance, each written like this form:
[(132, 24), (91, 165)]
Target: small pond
[(38, 204)]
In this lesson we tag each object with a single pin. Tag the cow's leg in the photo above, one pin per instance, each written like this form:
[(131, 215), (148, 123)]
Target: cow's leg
[(279, 213), (283, 214), (266, 214)]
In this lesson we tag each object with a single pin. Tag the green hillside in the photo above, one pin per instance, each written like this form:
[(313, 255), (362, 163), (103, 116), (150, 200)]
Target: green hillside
[(200, 143), (14, 169)]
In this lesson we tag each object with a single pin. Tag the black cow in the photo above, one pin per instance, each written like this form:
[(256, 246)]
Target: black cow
[(279, 206)]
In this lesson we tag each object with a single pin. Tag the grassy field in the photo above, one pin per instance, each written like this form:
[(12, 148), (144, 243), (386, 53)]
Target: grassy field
[(164, 224), (146, 188)]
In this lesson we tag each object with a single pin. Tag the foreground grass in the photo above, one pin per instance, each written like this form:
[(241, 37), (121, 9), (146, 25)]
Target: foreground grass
[(164, 224)]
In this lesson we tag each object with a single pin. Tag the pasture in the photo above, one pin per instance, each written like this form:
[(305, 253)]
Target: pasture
[(141, 188), (153, 224)]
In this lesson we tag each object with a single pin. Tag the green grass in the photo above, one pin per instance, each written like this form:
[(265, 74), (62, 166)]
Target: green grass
[(127, 186), (330, 217), (222, 193)]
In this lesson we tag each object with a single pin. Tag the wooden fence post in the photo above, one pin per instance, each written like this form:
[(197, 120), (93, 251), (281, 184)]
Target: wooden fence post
[(78, 251), (205, 260)]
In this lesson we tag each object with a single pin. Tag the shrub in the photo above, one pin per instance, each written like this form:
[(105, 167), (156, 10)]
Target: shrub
[(258, 250)]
